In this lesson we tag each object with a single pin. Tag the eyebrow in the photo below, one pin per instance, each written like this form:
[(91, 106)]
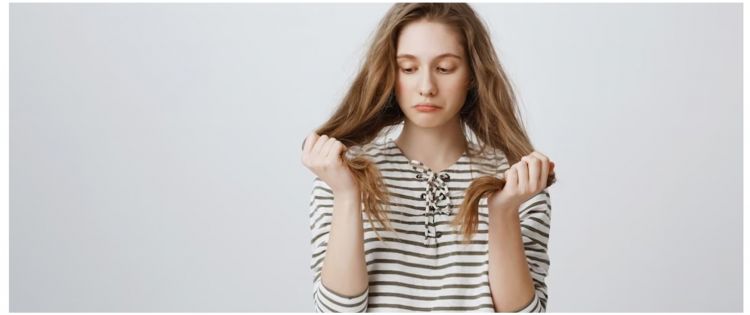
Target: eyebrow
[(438, 57)]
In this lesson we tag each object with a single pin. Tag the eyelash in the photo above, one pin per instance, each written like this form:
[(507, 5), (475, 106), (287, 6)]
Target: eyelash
[(444, 70)]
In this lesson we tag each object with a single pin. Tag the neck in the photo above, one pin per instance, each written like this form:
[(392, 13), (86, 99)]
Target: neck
[(436, 147)]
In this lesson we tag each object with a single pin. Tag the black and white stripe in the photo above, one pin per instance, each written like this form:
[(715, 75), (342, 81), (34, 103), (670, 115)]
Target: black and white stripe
[(407, 274)]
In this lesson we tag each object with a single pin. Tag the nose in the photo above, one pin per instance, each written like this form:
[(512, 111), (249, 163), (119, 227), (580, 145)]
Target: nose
[(426, 86)]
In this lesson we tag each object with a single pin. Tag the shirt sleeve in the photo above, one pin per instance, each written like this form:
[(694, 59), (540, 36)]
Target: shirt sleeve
[(535, 215), (321, 214)]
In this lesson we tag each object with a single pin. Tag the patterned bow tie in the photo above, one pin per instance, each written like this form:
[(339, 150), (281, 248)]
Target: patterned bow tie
[(437, 197)]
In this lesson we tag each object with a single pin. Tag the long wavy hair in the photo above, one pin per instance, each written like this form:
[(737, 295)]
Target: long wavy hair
[(490, 109)]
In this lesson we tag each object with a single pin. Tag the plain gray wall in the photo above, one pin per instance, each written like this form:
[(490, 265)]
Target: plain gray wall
[(155, 150)]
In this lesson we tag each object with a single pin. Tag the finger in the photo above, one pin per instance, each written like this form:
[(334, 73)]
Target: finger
[(341, 148), (309, 141), (325, 151), (534, 165), (511, 179), (321, 141), (523, 175), (552, 167), (544, 173), (548, 167), (547, 164), (542, 168), (334, 149)]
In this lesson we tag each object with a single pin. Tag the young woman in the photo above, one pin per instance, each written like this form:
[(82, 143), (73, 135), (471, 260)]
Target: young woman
[(430, 221)]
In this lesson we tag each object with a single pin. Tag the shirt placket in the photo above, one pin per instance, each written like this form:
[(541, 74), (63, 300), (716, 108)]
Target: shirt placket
[(436, 197)]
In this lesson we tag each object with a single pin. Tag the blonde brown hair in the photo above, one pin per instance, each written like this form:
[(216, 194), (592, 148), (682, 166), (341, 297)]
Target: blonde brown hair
[(490, 110)]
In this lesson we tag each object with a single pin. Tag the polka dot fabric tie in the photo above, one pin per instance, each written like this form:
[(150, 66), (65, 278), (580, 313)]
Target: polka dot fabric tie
[(437, 197)]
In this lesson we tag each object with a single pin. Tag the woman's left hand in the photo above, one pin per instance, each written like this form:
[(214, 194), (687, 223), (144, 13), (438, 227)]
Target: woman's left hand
[(523, 180)]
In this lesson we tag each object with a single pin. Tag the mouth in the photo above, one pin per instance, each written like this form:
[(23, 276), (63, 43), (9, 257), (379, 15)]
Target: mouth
[(427, 107)]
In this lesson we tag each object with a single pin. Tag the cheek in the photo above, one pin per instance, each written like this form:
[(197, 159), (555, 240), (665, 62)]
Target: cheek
[(458, 82), (456, 88), (402, 84), (401, 91), (402, 88)]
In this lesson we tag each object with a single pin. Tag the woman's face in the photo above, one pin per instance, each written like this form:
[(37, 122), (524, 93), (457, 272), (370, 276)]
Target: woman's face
[(432, 68)]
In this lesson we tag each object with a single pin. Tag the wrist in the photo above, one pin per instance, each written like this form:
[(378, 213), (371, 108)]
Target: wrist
[(504, 209), (349, 203), (347, 195)]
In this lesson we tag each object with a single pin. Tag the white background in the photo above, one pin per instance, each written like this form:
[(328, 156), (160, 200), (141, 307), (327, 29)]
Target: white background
[(155, 150)]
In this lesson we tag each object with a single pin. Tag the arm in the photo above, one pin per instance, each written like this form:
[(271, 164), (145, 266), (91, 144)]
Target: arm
[(340, 282), (518, 255)]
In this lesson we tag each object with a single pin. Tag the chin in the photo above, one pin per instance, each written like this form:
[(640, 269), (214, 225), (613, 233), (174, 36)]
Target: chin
[(428, 122)]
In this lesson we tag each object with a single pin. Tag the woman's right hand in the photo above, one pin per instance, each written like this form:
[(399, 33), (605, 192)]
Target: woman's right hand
[(322, 155)]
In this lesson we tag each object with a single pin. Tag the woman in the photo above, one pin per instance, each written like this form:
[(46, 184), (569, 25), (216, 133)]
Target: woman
[(430, 221)]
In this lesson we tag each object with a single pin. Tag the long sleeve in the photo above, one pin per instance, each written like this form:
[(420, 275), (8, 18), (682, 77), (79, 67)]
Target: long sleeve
[(321, 215), (535, 215)]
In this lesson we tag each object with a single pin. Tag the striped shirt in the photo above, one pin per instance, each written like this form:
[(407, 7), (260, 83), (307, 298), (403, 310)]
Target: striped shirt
[(423, 266)]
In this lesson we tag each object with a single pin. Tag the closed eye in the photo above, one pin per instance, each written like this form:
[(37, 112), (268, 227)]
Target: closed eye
[(442, 70)]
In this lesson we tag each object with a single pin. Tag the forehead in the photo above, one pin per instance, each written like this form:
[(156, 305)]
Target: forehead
[(428, 40)]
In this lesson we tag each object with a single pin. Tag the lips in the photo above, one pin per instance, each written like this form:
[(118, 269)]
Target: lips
[(426, 108), (426, 105)]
